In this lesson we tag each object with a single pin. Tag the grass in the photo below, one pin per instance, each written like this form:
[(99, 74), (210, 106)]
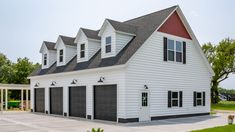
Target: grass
[(227, 128), (224, 105)]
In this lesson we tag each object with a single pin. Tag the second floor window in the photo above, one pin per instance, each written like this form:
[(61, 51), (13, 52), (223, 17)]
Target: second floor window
[(45, 59), (108, 42), (82, 50), (61, 55)]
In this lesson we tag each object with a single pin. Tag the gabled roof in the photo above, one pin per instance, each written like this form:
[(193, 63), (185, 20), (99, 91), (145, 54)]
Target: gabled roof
[(92, 34), (49, 45), (68, 40), (143, 27)]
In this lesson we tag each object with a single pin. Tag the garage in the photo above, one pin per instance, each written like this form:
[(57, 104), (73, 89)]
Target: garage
[(105, 102), (39, 100), (56, 100), (77, 101)]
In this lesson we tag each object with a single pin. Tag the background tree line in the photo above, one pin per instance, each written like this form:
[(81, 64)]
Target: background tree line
[(15, 73)]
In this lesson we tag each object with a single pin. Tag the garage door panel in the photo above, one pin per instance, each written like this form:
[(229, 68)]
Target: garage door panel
[(105, 102), (39, 96), (56, 100), (77, 101)]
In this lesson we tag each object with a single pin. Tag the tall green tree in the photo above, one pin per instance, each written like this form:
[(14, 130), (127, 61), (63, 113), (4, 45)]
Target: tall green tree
[(5, 69), (222, 60)]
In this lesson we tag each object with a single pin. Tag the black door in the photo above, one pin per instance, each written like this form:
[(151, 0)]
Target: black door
[(105, 102), (56, 100), (39, 100), (77, 101)]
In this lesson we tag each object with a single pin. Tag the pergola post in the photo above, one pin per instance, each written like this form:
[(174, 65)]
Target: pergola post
[(27, 99), (6, 99), (22, 99), (1, 99)]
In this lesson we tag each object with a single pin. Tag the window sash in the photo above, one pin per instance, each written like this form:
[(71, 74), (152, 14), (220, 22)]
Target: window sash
[(108, 40), (82, 50), (61, 55), (178, 54), (199, 99), (45, 59), (174, 99)]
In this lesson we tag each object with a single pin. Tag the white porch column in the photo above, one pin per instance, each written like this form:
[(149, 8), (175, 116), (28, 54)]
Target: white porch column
[(6, 100), (1, 99), (22, 99), (27, 99)]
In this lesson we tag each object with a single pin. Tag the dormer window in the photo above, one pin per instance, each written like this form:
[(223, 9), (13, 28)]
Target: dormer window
[(108, 44), (82, 50), (45, 59), (61, 55)]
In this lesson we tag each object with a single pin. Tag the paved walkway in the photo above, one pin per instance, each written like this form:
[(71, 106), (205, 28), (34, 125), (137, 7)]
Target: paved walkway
[(29, 122)]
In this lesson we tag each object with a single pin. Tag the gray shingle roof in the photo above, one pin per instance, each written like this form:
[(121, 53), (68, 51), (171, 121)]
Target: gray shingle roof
[(124, 27), (146, 25), (68, 40), (49, 45), (91, 33)]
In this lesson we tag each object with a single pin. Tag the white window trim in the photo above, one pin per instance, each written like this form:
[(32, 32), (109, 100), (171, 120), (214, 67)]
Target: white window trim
[(199, 99), (175, 99), (174, 50), (83, 50), (108, 45), (45, 56)]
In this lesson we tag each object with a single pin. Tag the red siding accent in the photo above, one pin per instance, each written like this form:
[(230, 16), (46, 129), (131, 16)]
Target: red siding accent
[(174, 26)]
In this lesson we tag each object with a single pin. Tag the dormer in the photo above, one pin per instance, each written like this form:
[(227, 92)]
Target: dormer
[(114, 37), (66, 49), (48, 54), (88, 43)]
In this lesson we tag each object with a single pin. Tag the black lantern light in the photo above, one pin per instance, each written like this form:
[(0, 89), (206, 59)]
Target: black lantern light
[(101, 80), (53, 83), (74, 81)]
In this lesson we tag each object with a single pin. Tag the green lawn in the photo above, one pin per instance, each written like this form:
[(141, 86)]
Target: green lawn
[(227, 128), (224, 105)]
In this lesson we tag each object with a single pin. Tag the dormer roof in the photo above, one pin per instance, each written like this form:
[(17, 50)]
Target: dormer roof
[(92, 34), (68, 40), (49, 45)]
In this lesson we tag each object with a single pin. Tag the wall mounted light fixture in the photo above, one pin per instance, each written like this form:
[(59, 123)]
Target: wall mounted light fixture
[(36, 85), (74, 81), (53, 83), (146, 87), (101, 80)]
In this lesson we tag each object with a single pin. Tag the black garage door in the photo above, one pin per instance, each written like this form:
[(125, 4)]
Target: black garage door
[(77, 101), (105, 102), (56, 100), (39, 100)]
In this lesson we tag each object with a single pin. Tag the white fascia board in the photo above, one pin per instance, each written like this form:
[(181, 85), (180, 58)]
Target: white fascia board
[(80, 71)]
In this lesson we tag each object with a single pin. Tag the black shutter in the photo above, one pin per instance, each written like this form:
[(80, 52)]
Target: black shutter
[(194, 98), (164, 49), (184, 52), (181, 98), (169, 99), (204, 98)]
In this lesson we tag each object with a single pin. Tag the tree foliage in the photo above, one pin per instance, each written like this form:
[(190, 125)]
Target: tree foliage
[(222, 60), (16, 73)]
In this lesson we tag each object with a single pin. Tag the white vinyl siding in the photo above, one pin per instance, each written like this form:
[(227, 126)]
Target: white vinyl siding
[(121, 41), (147, 68), (88, 79)]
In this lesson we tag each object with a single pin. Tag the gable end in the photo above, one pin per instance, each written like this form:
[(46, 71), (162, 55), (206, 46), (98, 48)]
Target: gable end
[(175, 26)]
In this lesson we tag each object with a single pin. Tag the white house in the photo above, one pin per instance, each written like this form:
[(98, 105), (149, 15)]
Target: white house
[(147, 68)]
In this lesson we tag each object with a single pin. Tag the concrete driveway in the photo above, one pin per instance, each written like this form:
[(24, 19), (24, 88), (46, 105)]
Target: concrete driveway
[(29, 122)]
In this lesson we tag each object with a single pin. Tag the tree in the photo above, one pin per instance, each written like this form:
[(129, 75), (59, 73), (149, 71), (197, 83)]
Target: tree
[(5, 69), (222, 60)]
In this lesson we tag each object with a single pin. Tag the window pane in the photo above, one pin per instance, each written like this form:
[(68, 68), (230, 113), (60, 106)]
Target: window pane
[(61, 58), (107, 48), (178, 57), (174, 102), (108, 40), (199, 102), (144, 99), (170, 44), (171, 55), (199, 95), (178, 46), (175, 95), (61, 52), (82, 46), (82, 54)]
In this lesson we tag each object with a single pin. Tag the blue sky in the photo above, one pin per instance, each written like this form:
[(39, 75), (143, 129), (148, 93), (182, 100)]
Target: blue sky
[(24, 24)]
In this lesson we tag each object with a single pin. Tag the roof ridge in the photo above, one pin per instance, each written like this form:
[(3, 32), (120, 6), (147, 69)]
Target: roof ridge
[(151, 13)]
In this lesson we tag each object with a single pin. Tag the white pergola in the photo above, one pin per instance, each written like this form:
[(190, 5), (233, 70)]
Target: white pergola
[(21, 87)]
